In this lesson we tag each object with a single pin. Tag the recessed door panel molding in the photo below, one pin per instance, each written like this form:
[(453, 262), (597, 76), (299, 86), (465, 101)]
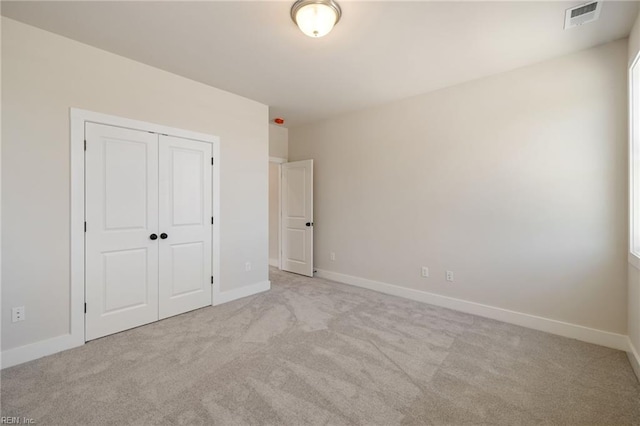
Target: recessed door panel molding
[(185, 195), (187, 185), (296, 239), (121, 208), (296, 192), (123, 270), (297, 217), (125, 186), (187, 262)]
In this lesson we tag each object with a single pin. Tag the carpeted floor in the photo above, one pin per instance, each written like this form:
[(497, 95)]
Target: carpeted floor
[(317, 352)]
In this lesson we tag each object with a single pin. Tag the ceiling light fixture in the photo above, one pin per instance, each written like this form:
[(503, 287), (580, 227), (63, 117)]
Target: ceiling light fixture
[(315, 18)]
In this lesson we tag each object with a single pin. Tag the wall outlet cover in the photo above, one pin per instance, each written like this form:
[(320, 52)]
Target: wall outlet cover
[(18, 314)]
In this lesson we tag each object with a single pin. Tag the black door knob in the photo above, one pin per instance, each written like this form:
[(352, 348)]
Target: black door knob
[(163, 236), (309, 223), (153, 236)]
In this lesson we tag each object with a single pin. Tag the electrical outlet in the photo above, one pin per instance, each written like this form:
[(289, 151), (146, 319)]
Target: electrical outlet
[(332, 256), (450, 276), (18, 314), (247, 266), (425, 272)]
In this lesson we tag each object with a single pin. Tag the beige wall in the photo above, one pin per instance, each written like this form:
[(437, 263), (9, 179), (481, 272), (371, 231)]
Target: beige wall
[(278, 141), (42, 76), (516, 183), (634, 274)]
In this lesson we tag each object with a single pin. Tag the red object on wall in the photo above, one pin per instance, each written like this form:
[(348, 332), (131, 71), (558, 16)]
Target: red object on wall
[(278, 120)]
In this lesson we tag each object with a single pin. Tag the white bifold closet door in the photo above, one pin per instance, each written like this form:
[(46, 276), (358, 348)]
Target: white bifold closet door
[(148, 227), (185, 220)]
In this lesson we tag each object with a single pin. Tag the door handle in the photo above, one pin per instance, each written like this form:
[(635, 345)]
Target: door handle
[(309, 224), (164, 236), (153, 236)]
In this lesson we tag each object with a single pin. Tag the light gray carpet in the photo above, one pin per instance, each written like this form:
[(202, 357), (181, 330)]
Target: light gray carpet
[(317, 352)]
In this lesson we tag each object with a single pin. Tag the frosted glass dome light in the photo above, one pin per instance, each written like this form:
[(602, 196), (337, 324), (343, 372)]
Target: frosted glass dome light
[(315, 18)]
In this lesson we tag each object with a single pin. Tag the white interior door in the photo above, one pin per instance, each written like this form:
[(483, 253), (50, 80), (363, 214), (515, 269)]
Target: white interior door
[(297, 217), (121, 287), (185, 225)]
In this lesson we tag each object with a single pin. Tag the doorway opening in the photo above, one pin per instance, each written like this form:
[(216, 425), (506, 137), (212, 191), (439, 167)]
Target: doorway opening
[(275, 183)]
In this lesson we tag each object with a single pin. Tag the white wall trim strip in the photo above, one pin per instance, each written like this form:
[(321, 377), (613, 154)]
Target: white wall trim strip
[(634, 358), (36, 350), (239, 293), (585, 334)]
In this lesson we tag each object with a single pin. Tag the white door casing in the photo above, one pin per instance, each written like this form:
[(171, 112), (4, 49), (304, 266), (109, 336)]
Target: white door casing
[(78, 119), (121, 214), (185, 225), (297, 217)]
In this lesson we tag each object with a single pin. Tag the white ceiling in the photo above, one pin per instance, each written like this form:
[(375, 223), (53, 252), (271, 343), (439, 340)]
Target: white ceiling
[(379, 52)]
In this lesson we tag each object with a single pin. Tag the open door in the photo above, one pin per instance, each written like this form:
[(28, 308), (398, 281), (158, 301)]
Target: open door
[(297, 217)]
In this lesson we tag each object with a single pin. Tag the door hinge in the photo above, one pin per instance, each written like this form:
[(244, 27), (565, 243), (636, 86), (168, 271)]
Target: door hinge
[(212, 220), (85, 144), (211, 279), (85, 308), (85, 227), (212, 161)]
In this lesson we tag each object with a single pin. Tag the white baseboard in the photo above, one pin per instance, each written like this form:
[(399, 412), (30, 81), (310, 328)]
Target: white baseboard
[(578, 332), (36, 350), (238, 293), (274, 262), (634, 358)]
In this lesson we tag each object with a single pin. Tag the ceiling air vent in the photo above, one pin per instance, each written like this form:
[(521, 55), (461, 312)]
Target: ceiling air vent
[(582, 14)]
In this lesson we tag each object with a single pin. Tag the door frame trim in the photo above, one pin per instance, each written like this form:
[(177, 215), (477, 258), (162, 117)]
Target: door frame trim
[(279, 162), (77, 119)]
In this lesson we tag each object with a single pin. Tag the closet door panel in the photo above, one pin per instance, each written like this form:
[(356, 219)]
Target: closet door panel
[(185, 199), (121, 173)]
